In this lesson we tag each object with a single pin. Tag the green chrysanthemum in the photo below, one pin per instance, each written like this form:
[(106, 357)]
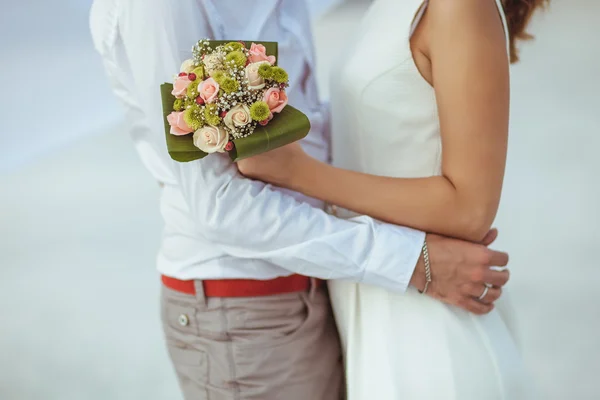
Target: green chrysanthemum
[(279, 75), (192, 89), (211, 108), (229, 85), (259, 111), (237, 58), (265, 71), (234, 46), (218, 76), (211, 114), (178, 105), (193, 117), (187, 102), (199, 71)]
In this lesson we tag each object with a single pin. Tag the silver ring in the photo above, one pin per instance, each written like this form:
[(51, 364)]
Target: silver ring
[(485, 292)]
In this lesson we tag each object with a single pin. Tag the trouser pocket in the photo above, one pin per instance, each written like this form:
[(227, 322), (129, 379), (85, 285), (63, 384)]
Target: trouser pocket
[(191, 366)]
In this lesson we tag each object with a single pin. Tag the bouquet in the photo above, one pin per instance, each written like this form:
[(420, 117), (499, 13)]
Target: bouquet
[(230, 98)]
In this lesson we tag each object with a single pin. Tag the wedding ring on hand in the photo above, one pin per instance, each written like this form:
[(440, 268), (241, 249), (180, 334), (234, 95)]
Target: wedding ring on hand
[(485, 291)]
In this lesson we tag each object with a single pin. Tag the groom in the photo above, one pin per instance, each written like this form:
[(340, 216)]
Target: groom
[(242, 318)]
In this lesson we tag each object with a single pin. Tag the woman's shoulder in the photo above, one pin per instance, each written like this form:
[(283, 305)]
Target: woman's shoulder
[(459, 12), (479, 20)]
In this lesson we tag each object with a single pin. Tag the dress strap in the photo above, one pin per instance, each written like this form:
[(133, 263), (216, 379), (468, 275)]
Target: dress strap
[(418, 17), (505, 24)]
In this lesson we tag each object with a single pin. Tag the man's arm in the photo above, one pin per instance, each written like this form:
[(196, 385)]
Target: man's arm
[(247, 219)]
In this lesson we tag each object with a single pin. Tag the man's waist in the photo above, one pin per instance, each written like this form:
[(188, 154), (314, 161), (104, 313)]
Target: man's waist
[(241, 287), (195, 267)]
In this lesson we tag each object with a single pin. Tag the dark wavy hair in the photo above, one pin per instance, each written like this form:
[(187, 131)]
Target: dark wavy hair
[(518, 14)]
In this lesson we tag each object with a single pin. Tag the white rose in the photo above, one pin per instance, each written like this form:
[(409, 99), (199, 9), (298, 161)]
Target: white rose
[(213, 62), (211, 139), (187, 66), (255, 81), (237, 117)]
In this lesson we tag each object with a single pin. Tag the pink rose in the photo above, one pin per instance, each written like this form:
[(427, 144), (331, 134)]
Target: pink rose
[(255, 81), (237, 117), (211, 139), (259, 53), (180, 86), (264, 122), (276, 99), (209, 89), (178, 125)]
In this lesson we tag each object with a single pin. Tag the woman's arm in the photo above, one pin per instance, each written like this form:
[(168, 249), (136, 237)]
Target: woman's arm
[(467, 49)]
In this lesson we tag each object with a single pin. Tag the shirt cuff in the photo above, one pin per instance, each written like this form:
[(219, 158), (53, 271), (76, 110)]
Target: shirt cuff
[(393, 257)]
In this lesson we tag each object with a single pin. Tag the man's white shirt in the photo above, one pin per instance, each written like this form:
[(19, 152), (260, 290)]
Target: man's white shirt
[(218, 224)]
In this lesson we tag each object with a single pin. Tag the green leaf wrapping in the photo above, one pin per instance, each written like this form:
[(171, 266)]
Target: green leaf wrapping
[(181, 148), (286, 127)]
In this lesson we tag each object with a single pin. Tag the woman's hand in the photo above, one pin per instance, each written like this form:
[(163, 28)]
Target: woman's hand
[(276, 166)]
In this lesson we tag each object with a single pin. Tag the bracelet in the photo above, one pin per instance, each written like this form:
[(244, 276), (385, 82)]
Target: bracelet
[(427, 267)]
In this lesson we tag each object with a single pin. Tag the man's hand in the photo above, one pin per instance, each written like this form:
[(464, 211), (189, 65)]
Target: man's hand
[(460, 271)]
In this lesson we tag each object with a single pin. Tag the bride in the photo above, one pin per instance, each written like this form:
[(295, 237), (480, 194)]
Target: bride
[(420, 108)]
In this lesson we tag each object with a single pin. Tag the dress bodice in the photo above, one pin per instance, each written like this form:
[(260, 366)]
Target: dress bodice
[(385, 117)]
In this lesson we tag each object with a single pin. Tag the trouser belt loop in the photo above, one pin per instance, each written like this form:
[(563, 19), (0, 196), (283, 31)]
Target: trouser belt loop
[(200, 297), (314, 285)]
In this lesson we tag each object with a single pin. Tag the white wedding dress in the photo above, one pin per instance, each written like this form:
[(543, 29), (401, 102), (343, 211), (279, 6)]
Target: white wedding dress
[(410, 346)]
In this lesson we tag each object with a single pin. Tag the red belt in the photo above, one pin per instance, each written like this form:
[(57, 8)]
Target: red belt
[(243, 287)]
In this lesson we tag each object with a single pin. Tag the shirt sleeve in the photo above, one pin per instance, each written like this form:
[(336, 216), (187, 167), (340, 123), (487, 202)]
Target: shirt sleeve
[(248, 219), (245, 218)]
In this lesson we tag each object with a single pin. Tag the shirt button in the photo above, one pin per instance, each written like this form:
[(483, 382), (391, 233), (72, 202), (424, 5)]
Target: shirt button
[(184, 320)]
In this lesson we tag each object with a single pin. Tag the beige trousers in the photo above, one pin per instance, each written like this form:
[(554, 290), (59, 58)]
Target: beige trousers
[(282, 347)]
